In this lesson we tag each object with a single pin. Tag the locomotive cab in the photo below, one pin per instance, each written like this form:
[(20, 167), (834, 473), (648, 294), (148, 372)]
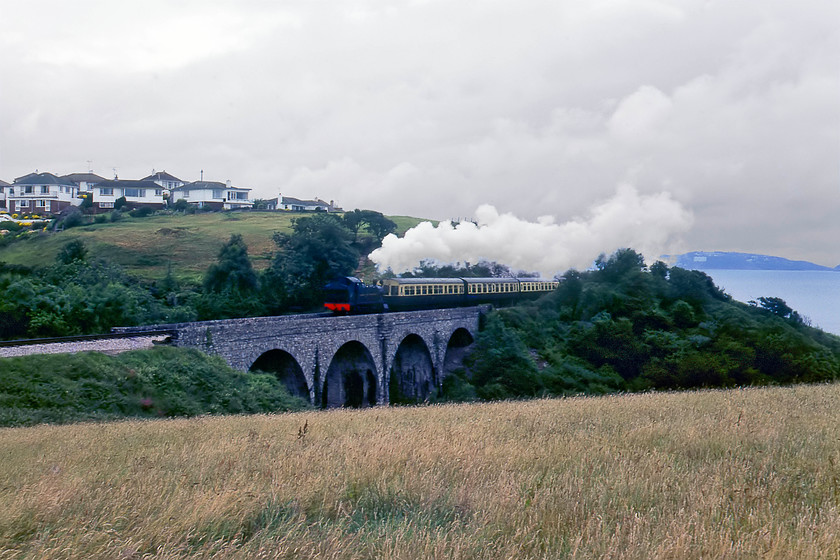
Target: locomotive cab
[(350, 295)]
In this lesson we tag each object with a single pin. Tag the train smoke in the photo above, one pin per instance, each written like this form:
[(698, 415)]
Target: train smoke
[(648, 224)]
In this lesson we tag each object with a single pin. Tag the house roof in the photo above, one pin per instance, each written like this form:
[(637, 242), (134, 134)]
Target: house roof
[(161, 176), (4, 183), (83, 177), (122, 183), (42, 179)]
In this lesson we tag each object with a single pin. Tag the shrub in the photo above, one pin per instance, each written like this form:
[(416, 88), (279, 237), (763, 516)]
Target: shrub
[(142, 383), (141, 212)]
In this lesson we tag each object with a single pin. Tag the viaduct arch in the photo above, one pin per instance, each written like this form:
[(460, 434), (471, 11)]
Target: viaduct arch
[(358, 361)]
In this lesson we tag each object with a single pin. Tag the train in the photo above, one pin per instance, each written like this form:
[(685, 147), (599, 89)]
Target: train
[(349, 295)]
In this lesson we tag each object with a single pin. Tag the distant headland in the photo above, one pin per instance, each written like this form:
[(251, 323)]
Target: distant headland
[(715, 260)]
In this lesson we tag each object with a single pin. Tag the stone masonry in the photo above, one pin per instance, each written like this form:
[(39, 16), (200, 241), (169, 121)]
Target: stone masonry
[(317, 344)]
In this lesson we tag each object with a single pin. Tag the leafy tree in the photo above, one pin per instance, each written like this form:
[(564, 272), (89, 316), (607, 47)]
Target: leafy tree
[(776, 306), (379, 225), (86, 205), (501, 367), (376, 223), (233, 272), (620, 263), (231, 287), (659, 270), (318, 249), (119, 203)]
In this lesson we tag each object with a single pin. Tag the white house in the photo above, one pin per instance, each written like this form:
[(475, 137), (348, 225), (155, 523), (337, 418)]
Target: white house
[(4, 190), (136, 193), (41, 193), (213, 195), (85, 181), (164, 179)]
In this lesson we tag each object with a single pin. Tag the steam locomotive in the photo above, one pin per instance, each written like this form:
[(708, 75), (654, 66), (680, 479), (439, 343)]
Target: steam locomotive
[(350, 295)]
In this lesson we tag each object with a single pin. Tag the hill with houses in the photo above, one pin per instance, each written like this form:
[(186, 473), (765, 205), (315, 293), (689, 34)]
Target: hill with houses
[(48, 194)]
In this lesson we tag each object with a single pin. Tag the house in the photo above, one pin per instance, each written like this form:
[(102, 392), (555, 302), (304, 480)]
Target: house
[(41, 193), (297, 205), (4, 190), (137, 194), (164, 179), (213, 195), (85, 181)]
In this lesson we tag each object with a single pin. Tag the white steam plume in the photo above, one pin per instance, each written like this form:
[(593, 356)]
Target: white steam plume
[(644, 223)]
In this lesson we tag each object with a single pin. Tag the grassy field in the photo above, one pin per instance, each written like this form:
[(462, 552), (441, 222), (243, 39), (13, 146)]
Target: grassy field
[(717, 474), (148, 247)]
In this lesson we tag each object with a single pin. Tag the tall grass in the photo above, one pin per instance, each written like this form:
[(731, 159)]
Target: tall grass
[(751, 473)]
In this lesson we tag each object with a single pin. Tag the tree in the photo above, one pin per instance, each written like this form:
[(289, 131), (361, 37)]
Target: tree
[(233, 273), (86, 205), (317, 250), (376, 223), (379, 225), (619, 264)]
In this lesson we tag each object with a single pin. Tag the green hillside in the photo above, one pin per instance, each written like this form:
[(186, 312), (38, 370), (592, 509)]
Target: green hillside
[(147, 247)]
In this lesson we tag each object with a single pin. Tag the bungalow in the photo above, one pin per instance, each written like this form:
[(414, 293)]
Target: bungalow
[(297, 205), (213, 195), (137, 194), (41, 193)]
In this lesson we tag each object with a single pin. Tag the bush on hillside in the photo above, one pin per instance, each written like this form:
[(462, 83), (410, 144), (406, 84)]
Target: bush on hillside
[(623, 327), (162, 381)]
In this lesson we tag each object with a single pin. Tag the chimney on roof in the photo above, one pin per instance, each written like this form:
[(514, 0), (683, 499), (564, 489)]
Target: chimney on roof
[(202, 174), (228, 183)]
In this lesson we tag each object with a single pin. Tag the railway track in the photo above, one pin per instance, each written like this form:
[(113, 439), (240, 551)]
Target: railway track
[(111, 343)]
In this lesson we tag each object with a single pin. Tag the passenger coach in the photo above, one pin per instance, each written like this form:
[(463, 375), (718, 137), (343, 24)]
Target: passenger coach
[(350, 295)]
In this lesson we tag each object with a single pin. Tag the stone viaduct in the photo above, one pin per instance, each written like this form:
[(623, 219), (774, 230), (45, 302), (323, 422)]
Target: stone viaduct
[(359, 360)]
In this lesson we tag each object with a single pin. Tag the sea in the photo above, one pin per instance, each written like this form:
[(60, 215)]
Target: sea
[(814, 294)]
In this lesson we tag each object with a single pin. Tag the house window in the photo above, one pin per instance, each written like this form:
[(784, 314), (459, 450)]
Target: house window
[(45, 189), (218, 194), (106, 191), (106, 204), (40, 204), (135, 193), (27, 189), (158, 192)]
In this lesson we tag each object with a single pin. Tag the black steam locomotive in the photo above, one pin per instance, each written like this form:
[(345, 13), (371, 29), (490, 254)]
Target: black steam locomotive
[(350, 295)]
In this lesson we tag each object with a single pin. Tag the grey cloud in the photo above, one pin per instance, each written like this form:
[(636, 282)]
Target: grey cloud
[(433, 109)]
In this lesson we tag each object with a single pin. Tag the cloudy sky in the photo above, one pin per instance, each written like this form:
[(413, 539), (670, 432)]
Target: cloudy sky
[(727, 109)]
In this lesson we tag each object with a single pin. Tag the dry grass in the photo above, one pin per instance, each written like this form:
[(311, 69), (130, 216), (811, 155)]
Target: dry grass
[(720, 474)]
